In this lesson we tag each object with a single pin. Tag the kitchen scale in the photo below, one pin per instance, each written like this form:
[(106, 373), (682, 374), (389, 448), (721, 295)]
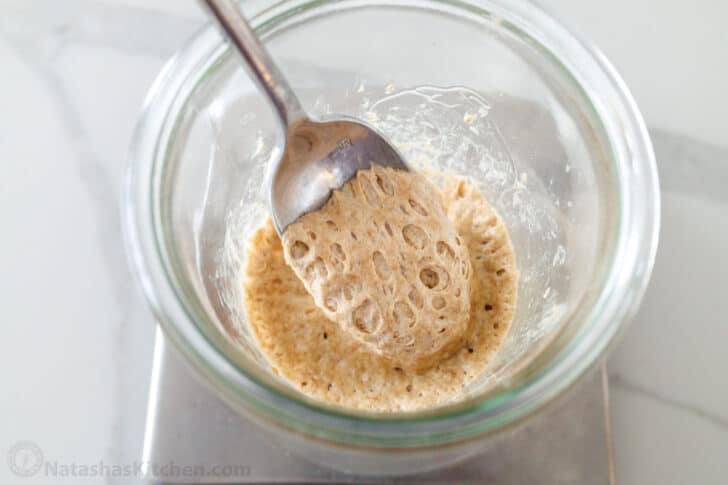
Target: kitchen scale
[(570, 442), (188, 426)]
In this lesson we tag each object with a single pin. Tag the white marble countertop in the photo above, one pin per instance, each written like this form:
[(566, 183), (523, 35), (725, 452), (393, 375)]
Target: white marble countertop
[(77, 337)]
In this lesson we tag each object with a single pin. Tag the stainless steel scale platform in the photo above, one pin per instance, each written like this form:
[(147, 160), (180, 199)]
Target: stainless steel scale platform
[(187, 425)]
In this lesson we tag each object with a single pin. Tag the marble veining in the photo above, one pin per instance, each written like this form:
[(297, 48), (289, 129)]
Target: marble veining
[(619, 381), (57, 28)]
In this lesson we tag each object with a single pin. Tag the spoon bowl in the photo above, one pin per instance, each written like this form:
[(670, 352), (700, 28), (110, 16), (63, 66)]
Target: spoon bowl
[(320, 157)]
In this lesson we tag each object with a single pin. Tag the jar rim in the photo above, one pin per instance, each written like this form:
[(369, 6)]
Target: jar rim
[(632, 256)]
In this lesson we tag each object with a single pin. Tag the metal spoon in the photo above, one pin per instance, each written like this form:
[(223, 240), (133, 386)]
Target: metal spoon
[(317, 156)]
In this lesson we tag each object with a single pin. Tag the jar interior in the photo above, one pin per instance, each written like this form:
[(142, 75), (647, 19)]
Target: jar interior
[(458, 91)]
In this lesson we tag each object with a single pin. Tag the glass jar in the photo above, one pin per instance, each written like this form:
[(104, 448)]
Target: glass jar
[(562, 154)]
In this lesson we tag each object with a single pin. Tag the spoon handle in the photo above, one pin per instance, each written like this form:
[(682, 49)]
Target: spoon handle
[(260, 64)]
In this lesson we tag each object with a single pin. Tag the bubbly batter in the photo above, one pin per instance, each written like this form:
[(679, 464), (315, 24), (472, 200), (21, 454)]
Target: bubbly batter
[(382, 259), (373, 359)]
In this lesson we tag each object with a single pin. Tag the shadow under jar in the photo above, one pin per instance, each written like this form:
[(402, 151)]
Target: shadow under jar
[(550, 136)]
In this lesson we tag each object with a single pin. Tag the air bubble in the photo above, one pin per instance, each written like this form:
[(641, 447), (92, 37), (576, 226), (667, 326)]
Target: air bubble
[(415, 236), (403, 269), (465, 267), (434, 277), (417, 207), (403, 314), (385, 185), (330, 304), (368, 190), (315, 270), (366, 317), (299, 249), (347, 287), (429, 278), (380, 265), (338, 256), (406, 340), (415, 297), (438, 303), (444, 250)]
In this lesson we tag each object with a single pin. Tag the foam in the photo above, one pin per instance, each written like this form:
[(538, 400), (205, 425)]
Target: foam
[(328, 362), (382, 260)]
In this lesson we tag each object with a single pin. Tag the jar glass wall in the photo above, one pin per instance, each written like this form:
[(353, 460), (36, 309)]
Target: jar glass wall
[(560, 151)]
